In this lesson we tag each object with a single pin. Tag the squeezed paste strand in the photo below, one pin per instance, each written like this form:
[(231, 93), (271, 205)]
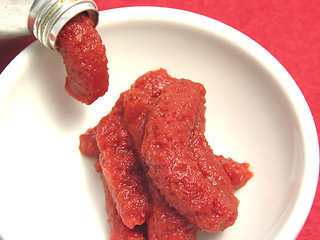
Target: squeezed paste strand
[(83, 53)]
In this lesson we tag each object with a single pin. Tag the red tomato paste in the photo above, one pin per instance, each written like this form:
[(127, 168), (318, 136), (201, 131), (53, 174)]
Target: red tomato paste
[(122, 171), (119, 231), (85, 60), (155, 135)]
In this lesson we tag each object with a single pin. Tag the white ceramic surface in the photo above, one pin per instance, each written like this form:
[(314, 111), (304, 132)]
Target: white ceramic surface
[(255, 113)]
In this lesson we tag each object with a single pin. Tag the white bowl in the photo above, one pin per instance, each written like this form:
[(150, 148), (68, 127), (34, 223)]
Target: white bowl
[(255, 113)]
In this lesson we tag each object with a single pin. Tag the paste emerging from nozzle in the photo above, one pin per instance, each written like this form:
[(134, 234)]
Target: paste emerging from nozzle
[(84, 56)]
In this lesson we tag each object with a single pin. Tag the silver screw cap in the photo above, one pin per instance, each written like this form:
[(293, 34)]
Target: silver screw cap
[(47, 18)]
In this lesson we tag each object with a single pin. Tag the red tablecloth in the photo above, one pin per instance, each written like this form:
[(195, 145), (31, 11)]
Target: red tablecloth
[(289, 30)]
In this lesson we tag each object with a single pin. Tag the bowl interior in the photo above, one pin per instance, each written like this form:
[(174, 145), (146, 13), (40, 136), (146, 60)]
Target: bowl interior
[(255, 114)]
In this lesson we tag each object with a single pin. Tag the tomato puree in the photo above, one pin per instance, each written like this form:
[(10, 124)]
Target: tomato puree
[(122, 171), (152, 149), (85, 60), (119, 231), (165, 222), (88, 143)]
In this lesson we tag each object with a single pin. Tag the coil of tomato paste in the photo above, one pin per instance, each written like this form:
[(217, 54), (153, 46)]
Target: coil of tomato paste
[(155, 133)]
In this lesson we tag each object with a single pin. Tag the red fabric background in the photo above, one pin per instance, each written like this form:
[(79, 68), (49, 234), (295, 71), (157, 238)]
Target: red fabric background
[(289, 30)]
